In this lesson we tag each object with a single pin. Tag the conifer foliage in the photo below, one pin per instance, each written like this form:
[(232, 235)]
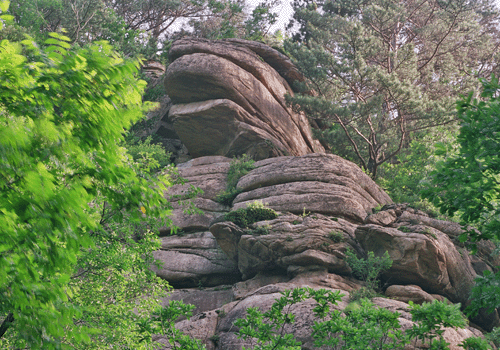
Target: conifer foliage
[(380, 71)]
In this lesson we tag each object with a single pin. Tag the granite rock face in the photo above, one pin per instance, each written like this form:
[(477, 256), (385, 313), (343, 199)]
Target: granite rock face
[(317, 183), (325, 206), (229, 100), (193, 257)]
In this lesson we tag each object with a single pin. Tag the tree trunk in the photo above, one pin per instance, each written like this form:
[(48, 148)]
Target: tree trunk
[(6, 324)]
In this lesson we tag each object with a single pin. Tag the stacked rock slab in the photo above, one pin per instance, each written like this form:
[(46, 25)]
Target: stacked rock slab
[(229, 101), (192, 257), (305, 246)]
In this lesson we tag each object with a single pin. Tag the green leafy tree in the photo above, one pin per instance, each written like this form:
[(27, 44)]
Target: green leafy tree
[(164, 323), (430, 319), (475, 167), (468, 183), (368, 270), (66, 186), (268, 328), (258, 25), (133, 27), (361, 325), (83, 21), (405, 178), (380, 71)]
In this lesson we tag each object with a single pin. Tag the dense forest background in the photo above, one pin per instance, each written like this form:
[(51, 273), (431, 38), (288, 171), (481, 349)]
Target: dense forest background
[(405, 89)]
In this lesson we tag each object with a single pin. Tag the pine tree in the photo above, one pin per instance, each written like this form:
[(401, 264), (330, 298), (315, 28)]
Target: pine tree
[(380, 71)]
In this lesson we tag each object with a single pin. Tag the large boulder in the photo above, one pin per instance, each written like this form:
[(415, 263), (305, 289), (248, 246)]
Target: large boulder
[(422, 256), (317, 183), (291, 241), (194, 260), (228, 100)]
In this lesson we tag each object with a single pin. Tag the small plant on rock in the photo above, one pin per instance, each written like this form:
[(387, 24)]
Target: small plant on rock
[(238, 167), (260, 230), (336, 236), (368, 269), (362, 293), (405, 229), (254, 212)]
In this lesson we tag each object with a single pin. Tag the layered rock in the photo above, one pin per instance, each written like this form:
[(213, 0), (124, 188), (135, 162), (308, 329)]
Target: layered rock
[(193, 257), (228, 100), (306, 244), (318, 183)]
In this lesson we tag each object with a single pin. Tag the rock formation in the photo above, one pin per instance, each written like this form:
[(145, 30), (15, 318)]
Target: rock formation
[(228, 100)]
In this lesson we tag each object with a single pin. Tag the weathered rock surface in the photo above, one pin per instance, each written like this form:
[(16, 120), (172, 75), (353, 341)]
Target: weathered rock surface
[(194, 260), (193, 257), (228, 89), (411, 293), (207, 174), (292, 241), (228, 99), (335, 214), (423, 256), (317, 183)]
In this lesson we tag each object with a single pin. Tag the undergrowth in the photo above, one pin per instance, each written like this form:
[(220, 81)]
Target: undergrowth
[(238, 167)]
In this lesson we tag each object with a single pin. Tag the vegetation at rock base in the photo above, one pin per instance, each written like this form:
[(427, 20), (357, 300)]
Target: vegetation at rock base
[(368, 270), (361, 325)]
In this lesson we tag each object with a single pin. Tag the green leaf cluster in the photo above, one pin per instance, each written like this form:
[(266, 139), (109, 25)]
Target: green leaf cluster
[(476, 167), (368, 269), (254, 212), (163, 322), (238, 167), (430, 319), (361, 325), (66, 187), (151, 156), (268, 327)]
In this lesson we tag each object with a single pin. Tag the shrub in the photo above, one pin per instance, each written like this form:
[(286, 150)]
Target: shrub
[(238, 167), (361, 325), (475, 343), (150, 155), (227, 196), (368, 269), (494, 336), (260, 230), (430, 320), (254, 212), (336, 236), (362, 293)]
